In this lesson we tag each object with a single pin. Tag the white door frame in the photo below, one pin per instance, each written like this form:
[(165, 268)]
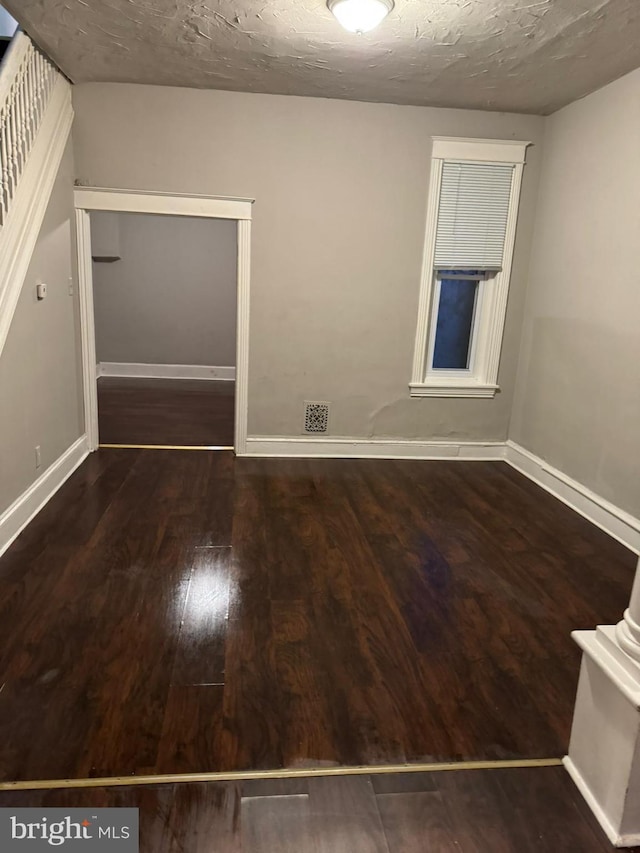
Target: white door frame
[(87, 199)]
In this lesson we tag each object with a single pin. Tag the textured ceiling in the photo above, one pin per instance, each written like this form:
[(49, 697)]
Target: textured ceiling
[(514, 55)]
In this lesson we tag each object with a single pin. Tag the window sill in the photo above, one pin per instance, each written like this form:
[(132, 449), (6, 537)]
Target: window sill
[(452, 389)]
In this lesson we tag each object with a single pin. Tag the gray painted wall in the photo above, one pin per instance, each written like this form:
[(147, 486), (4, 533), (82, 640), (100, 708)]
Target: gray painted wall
[(341, 192), (8, 24), (171, 299), (578, 398), (40, 375)]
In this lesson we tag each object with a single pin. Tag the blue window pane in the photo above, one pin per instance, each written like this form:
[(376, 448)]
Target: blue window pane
[(455, 321)]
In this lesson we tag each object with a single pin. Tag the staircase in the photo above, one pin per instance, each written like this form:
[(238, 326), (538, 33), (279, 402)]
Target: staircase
[(35, 121), (26, 80)]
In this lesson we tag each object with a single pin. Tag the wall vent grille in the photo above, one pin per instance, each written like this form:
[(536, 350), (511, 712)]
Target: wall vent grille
[(316, 417)]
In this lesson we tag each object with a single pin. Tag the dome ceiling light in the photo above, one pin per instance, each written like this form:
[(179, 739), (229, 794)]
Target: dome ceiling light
[(360, 16)]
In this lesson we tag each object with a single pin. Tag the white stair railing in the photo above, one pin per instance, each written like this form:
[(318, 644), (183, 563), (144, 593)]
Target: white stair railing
[(27, 78), (36, 114)]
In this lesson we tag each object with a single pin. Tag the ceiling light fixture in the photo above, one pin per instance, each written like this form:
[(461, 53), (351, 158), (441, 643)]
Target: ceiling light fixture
[(360, 16)]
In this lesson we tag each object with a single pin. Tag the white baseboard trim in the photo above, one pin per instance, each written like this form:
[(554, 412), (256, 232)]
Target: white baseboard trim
[(613, 836), (615, 521), (166, 371), (380, 448), (16, 517)]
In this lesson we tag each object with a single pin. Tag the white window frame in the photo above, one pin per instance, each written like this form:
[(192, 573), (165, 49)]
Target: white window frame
[(480, 379)]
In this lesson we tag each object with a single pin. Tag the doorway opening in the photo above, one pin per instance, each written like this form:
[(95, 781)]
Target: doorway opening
[(164, 295), (164, 298)]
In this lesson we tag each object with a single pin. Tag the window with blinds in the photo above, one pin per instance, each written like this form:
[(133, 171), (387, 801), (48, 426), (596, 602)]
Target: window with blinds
[(472, 215), (470, 232)]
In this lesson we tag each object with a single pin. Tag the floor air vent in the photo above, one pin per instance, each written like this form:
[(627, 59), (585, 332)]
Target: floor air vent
[(316, 417)]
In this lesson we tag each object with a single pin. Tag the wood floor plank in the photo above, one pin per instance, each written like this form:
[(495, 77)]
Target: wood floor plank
[(546, 811), (396, 684), (466, 811), (37, 741), (355, 825), (204, 818), (306, 715), (473, 802), (200, 657), (416, 822), (279, 824), (403, 783), (275, 787), (190, 612), (165, 411), (190, 738)]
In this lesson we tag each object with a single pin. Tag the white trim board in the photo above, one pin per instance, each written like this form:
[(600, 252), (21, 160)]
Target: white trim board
[(380, 448), (21, 230), (615, 521), (171, 204), (134, 201), (486, 150), (610, 831), (165, 371), (16, 517)]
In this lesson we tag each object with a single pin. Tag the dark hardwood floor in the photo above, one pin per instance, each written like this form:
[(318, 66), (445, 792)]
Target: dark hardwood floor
[(184, 412), (176, 611), (467, 811)]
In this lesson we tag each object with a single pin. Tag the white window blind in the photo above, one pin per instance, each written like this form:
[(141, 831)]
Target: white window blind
[(472, 215)]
